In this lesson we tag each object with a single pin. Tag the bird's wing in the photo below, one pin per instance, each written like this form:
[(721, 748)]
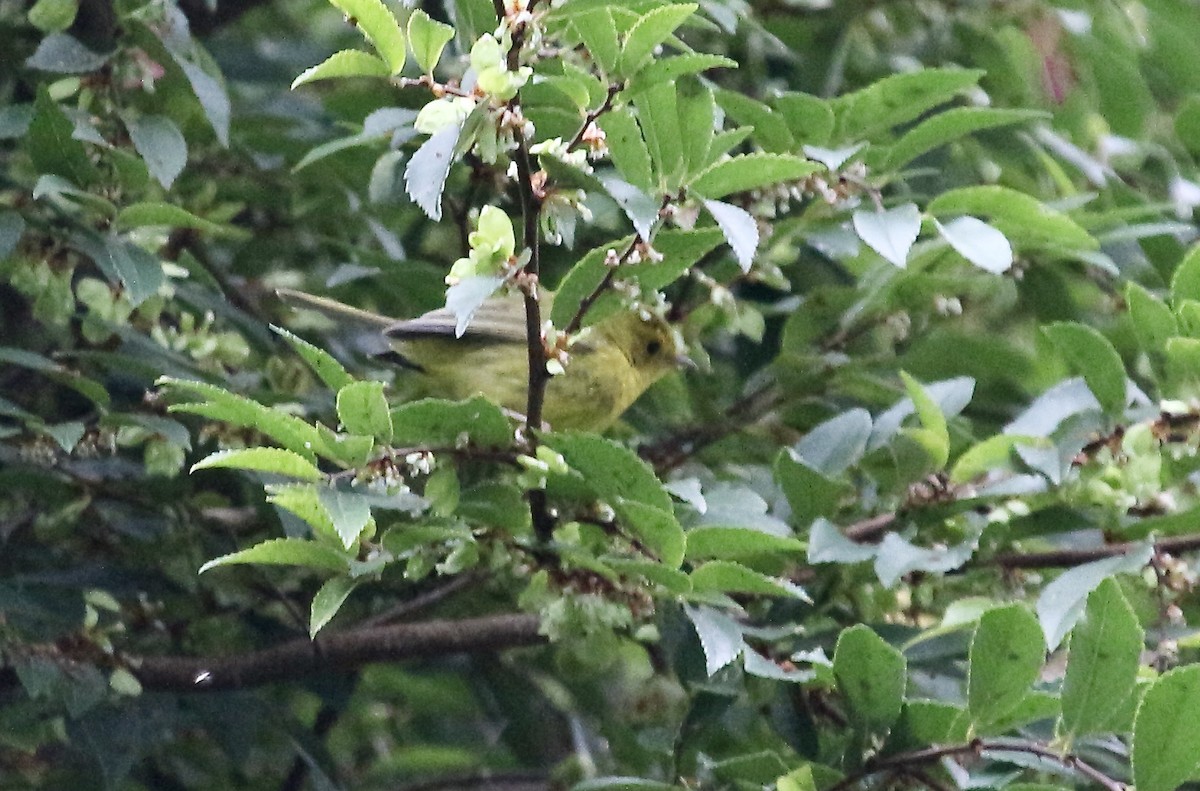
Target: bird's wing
[(499, 319)]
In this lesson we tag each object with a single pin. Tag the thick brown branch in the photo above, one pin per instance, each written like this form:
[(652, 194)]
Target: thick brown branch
[(1066, 558), (337, 652)]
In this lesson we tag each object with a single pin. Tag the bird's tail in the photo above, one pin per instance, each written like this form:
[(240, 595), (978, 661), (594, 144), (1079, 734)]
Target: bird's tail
[(339, 312)]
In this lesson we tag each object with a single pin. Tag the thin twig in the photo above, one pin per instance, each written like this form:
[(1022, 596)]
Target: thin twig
[(673, 450), (421, 602), (594, 115)]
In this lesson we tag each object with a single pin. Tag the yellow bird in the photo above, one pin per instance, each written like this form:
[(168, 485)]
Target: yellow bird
[(611, 363)]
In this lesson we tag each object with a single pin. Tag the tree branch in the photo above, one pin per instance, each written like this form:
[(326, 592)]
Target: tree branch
[(1067, 558), (338, 652)]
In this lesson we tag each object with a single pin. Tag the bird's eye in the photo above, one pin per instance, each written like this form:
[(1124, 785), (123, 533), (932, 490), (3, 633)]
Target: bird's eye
[(653, 347)]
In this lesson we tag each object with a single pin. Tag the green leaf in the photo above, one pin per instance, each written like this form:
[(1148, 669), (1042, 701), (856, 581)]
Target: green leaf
[(1153, 321), (1061, 602), (809, 492), (1005, 658), (427, 37), (1185, 283), (720, 636), (891, 232), (161, 146), (496, 505), (872, 677), (979, 243), (346, 63), (726, 576), (1023, 219), (273, 460), (436, 423), (658, 114), (991, 454), (1092, 355), (667, 69), (834, 445), (139, 271), (350, 513), (934, 434), (88, 388), (613, 783), (599, 34), (672, 580), (207, 87), (51, 146), (380, 27), (648, 32), (737, 543), (809, 118), (897, 99), (1102, 666), (322, 363), (363, 409), (612, 471), (328, 601), (697, 111), (951, 125), (770, 128), (1166, 732), (219, 404), (286, 552), (746, 172), (67, 435), (138, 215), (53, 16), (627, 148), (655, 528)]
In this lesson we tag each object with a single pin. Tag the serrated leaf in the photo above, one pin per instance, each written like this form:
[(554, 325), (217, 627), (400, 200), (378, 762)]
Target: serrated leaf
[(285, 552), (627, 148), (740, 229), (932, 420), (363, 409), (51, 146), (1166, 731), (467, 296), (439, 424), (872, 677), (273, 460), (720, 636), (1023, 219), (1102, 667), (1005, 658), (350, 512), (809, 118), (897, 99), (640, 208), (1091, 354), (746, 172), (426, 172), (380, 27), (943, 128), (323, 364), (599, 34), (427, 37), (658, 114), (726, 576), (655, 528), (737, 543), (979, 243), (651, 30), (138, 215), (667, 69), (327, 601), (1061, 602), (891, 232), (160, 144), (1153, 321), (614, 472), (1185, 282), (219, 404), (346, 63)]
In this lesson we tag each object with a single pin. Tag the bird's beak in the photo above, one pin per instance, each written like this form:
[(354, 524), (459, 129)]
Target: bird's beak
[(683, 361)]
